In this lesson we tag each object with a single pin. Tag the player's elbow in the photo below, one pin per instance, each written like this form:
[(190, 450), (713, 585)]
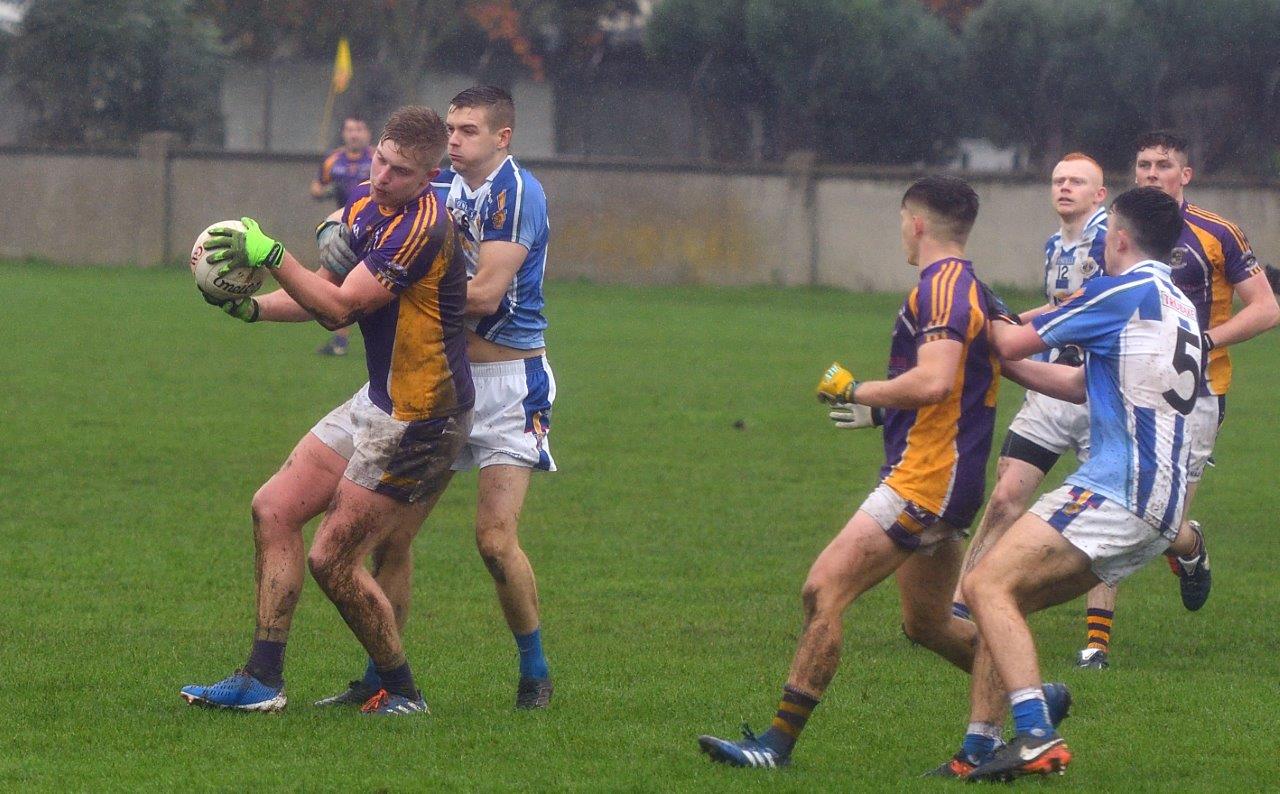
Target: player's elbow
[(1271, 316), (330, 324), (935, 390), (1006, 347), (482, 302)]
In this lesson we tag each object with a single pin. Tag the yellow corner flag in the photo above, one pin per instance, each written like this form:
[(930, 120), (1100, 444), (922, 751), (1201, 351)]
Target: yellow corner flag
[(342, 66)]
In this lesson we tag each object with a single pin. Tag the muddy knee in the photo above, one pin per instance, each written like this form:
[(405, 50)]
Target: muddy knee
[(327, 570)]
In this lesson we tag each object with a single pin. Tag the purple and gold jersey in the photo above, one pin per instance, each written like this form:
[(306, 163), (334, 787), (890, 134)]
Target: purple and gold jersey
[(1211, 257), (936, 456), (415, 347), (345, 171)]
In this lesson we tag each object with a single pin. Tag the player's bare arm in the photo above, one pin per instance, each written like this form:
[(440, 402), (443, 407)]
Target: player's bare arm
[(1260, 313), (1015, 342), (280, 307), (496, 266), (333, 306), (927, 383), (1056, 380)]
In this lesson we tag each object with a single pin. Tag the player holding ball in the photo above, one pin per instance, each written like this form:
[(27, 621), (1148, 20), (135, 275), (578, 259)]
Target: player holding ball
[(376, 465)]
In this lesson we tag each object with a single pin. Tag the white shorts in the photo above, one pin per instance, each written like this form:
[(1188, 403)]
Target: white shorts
[(512, 416), (408, 461), (1202, 432), (907, 524), (1053, 424), (1117, 541)]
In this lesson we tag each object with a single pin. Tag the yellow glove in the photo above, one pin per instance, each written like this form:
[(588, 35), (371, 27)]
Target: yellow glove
[(837, 385)]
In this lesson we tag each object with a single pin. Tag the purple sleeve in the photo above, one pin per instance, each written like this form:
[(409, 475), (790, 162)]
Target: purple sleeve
[(1239, 263)]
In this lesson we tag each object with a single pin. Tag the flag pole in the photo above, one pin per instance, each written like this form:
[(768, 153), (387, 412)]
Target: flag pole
[(337, 84)]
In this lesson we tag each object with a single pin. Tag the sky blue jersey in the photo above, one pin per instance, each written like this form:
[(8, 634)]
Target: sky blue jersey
[(1142, 373), (510, 206), (1069, 264)]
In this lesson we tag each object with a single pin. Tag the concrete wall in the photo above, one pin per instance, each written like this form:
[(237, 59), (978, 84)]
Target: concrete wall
[(618, 223)]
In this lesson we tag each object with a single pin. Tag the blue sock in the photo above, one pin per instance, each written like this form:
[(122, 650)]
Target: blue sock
[(533, 662), (371, 678), (981, 740), (1030, 712)]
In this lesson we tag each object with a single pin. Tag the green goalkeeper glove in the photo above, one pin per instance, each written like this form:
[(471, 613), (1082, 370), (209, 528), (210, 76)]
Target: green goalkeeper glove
[(248, 248), (243, 309)]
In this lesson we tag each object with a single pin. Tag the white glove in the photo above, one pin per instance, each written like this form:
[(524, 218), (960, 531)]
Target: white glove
[(853, 416), (334, 240)]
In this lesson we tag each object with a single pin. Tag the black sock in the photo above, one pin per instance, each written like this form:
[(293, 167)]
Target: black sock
[(266, 662), (399, 681)]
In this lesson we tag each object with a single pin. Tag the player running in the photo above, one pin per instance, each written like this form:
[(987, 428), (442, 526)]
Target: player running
[(937, 408), (1121, 507), (501, 211), (1046, 427), (376, 465), (1212, 264)]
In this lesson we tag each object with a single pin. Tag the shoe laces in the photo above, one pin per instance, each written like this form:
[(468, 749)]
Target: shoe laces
[(749, 734), (376, 702)]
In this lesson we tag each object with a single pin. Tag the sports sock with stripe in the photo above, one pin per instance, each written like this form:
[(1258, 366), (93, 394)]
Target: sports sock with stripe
[(1098, 622), (793, 713), (533, 662), (981, 740), (1030, 712)]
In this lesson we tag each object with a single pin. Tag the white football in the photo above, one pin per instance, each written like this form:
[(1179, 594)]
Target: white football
[(239, 282)]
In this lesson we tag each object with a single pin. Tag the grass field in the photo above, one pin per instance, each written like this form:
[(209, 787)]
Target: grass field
[(670, 549)]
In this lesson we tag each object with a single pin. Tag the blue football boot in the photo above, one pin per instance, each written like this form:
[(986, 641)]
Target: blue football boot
[(390, 704), (1058, 700), (239, 691), (748, 752)]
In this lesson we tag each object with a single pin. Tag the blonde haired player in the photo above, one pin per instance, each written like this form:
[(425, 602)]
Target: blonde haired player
[(501, 213), (377, 464)]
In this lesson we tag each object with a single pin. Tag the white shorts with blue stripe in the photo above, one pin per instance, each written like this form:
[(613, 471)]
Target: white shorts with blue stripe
[(512, 424), (1116, 541)]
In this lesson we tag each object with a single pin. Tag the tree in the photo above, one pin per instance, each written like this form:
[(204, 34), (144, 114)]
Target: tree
[(1041, 73), (1208, 68), (852, 80), (107, 71), (1055, 75), (495, 40)]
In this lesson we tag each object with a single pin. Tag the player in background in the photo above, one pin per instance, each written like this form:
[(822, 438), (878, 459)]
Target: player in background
[(1124, 504), (1046, 427), (342, 170), (501, 212), (376, 465), (1212, 264), (937, 408)]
